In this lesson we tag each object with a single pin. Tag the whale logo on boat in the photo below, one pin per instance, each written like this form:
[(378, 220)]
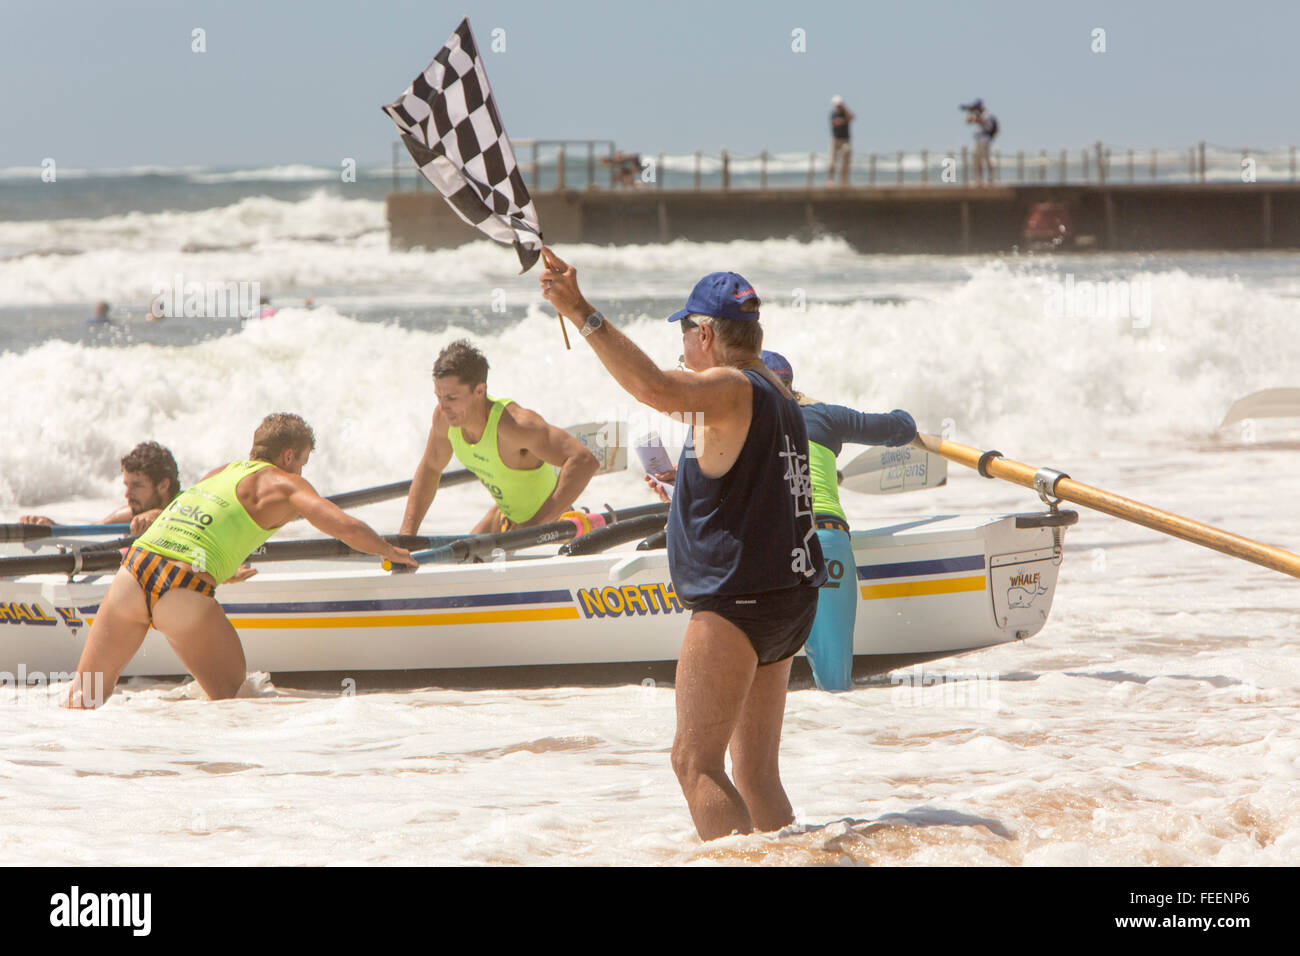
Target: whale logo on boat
[(1022, 596)]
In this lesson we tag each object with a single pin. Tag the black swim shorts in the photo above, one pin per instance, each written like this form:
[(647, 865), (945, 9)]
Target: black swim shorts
[(777, 623)]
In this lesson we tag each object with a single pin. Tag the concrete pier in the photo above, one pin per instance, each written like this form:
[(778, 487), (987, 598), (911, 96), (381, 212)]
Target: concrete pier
[(942, 219)]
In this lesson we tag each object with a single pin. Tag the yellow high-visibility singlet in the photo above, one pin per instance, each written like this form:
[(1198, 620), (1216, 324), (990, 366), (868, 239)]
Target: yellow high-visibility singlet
[(206, 526), (518, 492)]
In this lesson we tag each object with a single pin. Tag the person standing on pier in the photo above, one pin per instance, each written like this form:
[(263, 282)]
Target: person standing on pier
[(986, 128), (841, 148)]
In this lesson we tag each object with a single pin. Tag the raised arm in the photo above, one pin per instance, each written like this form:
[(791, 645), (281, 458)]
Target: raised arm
[(716, 394), (437, 454)]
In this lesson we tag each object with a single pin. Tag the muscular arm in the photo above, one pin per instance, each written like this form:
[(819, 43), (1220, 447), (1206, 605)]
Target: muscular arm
[(717, 394), (337, 523), (117, 516), (120, 515), (437, 453), (525, 429)]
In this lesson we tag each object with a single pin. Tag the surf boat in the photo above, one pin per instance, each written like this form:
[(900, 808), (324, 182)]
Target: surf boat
[(927, 588)]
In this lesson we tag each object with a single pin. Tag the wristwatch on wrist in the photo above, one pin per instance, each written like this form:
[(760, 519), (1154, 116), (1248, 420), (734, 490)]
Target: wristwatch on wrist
[(594, 321)]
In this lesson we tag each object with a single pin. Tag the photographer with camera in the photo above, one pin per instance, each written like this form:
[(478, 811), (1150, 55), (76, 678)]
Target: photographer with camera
[(986, 128)]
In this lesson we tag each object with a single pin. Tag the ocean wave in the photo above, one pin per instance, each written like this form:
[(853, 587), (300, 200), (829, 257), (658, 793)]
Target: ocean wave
[(115, 172), (985, 357), (293, 172), (255, 219)]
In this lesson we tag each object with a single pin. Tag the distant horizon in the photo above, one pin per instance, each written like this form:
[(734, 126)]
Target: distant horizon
[(100, 88)]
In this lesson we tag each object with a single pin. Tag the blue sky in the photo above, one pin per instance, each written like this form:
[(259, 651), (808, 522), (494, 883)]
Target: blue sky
[(110, 84)]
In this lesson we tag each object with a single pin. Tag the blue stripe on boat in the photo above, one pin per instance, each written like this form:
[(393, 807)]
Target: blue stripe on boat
[(392, 604), (406, 604), (907, 569)]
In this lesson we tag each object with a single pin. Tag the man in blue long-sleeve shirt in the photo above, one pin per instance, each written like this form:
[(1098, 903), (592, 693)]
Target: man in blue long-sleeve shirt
[(830, 427)]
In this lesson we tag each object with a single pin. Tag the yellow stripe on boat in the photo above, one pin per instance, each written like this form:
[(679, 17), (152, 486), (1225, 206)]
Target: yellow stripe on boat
[(874, 592), (414, 620)]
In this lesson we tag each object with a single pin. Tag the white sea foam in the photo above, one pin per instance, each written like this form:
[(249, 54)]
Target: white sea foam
[(983, 353), (365, 388)]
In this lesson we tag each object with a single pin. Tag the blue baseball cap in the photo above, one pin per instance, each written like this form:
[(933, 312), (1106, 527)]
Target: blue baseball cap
[(720, 295), (779, 365)]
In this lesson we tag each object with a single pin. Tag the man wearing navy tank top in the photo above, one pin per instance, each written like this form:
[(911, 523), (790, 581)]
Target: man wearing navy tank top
[(742, 549)]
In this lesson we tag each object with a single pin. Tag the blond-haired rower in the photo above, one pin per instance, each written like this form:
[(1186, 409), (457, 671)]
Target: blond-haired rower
[(169, 577)]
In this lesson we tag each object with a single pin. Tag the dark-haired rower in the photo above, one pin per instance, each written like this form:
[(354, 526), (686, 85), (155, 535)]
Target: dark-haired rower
[(151, 482), (508, 448), (830, 427)]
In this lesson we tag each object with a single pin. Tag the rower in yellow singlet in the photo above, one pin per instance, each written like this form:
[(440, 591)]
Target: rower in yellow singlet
[(511, 450), (169, 578)]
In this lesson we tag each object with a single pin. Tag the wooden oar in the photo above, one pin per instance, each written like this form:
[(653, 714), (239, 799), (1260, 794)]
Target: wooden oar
[(888, 471), (991, 464), (485, 545)]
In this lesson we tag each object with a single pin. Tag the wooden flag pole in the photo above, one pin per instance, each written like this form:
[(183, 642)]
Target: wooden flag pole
[(565, 331), (991, 464)]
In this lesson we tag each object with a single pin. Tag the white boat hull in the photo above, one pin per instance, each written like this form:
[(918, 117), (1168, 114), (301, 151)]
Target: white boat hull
[(927, 588)]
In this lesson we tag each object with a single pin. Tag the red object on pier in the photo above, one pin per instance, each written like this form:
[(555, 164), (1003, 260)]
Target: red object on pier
[(1048, 222)]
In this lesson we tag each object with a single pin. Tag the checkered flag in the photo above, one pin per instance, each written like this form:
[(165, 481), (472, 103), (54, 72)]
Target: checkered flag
[(449, 121)]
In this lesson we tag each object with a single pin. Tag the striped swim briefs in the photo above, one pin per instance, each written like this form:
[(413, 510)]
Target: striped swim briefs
[(158, 575)]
